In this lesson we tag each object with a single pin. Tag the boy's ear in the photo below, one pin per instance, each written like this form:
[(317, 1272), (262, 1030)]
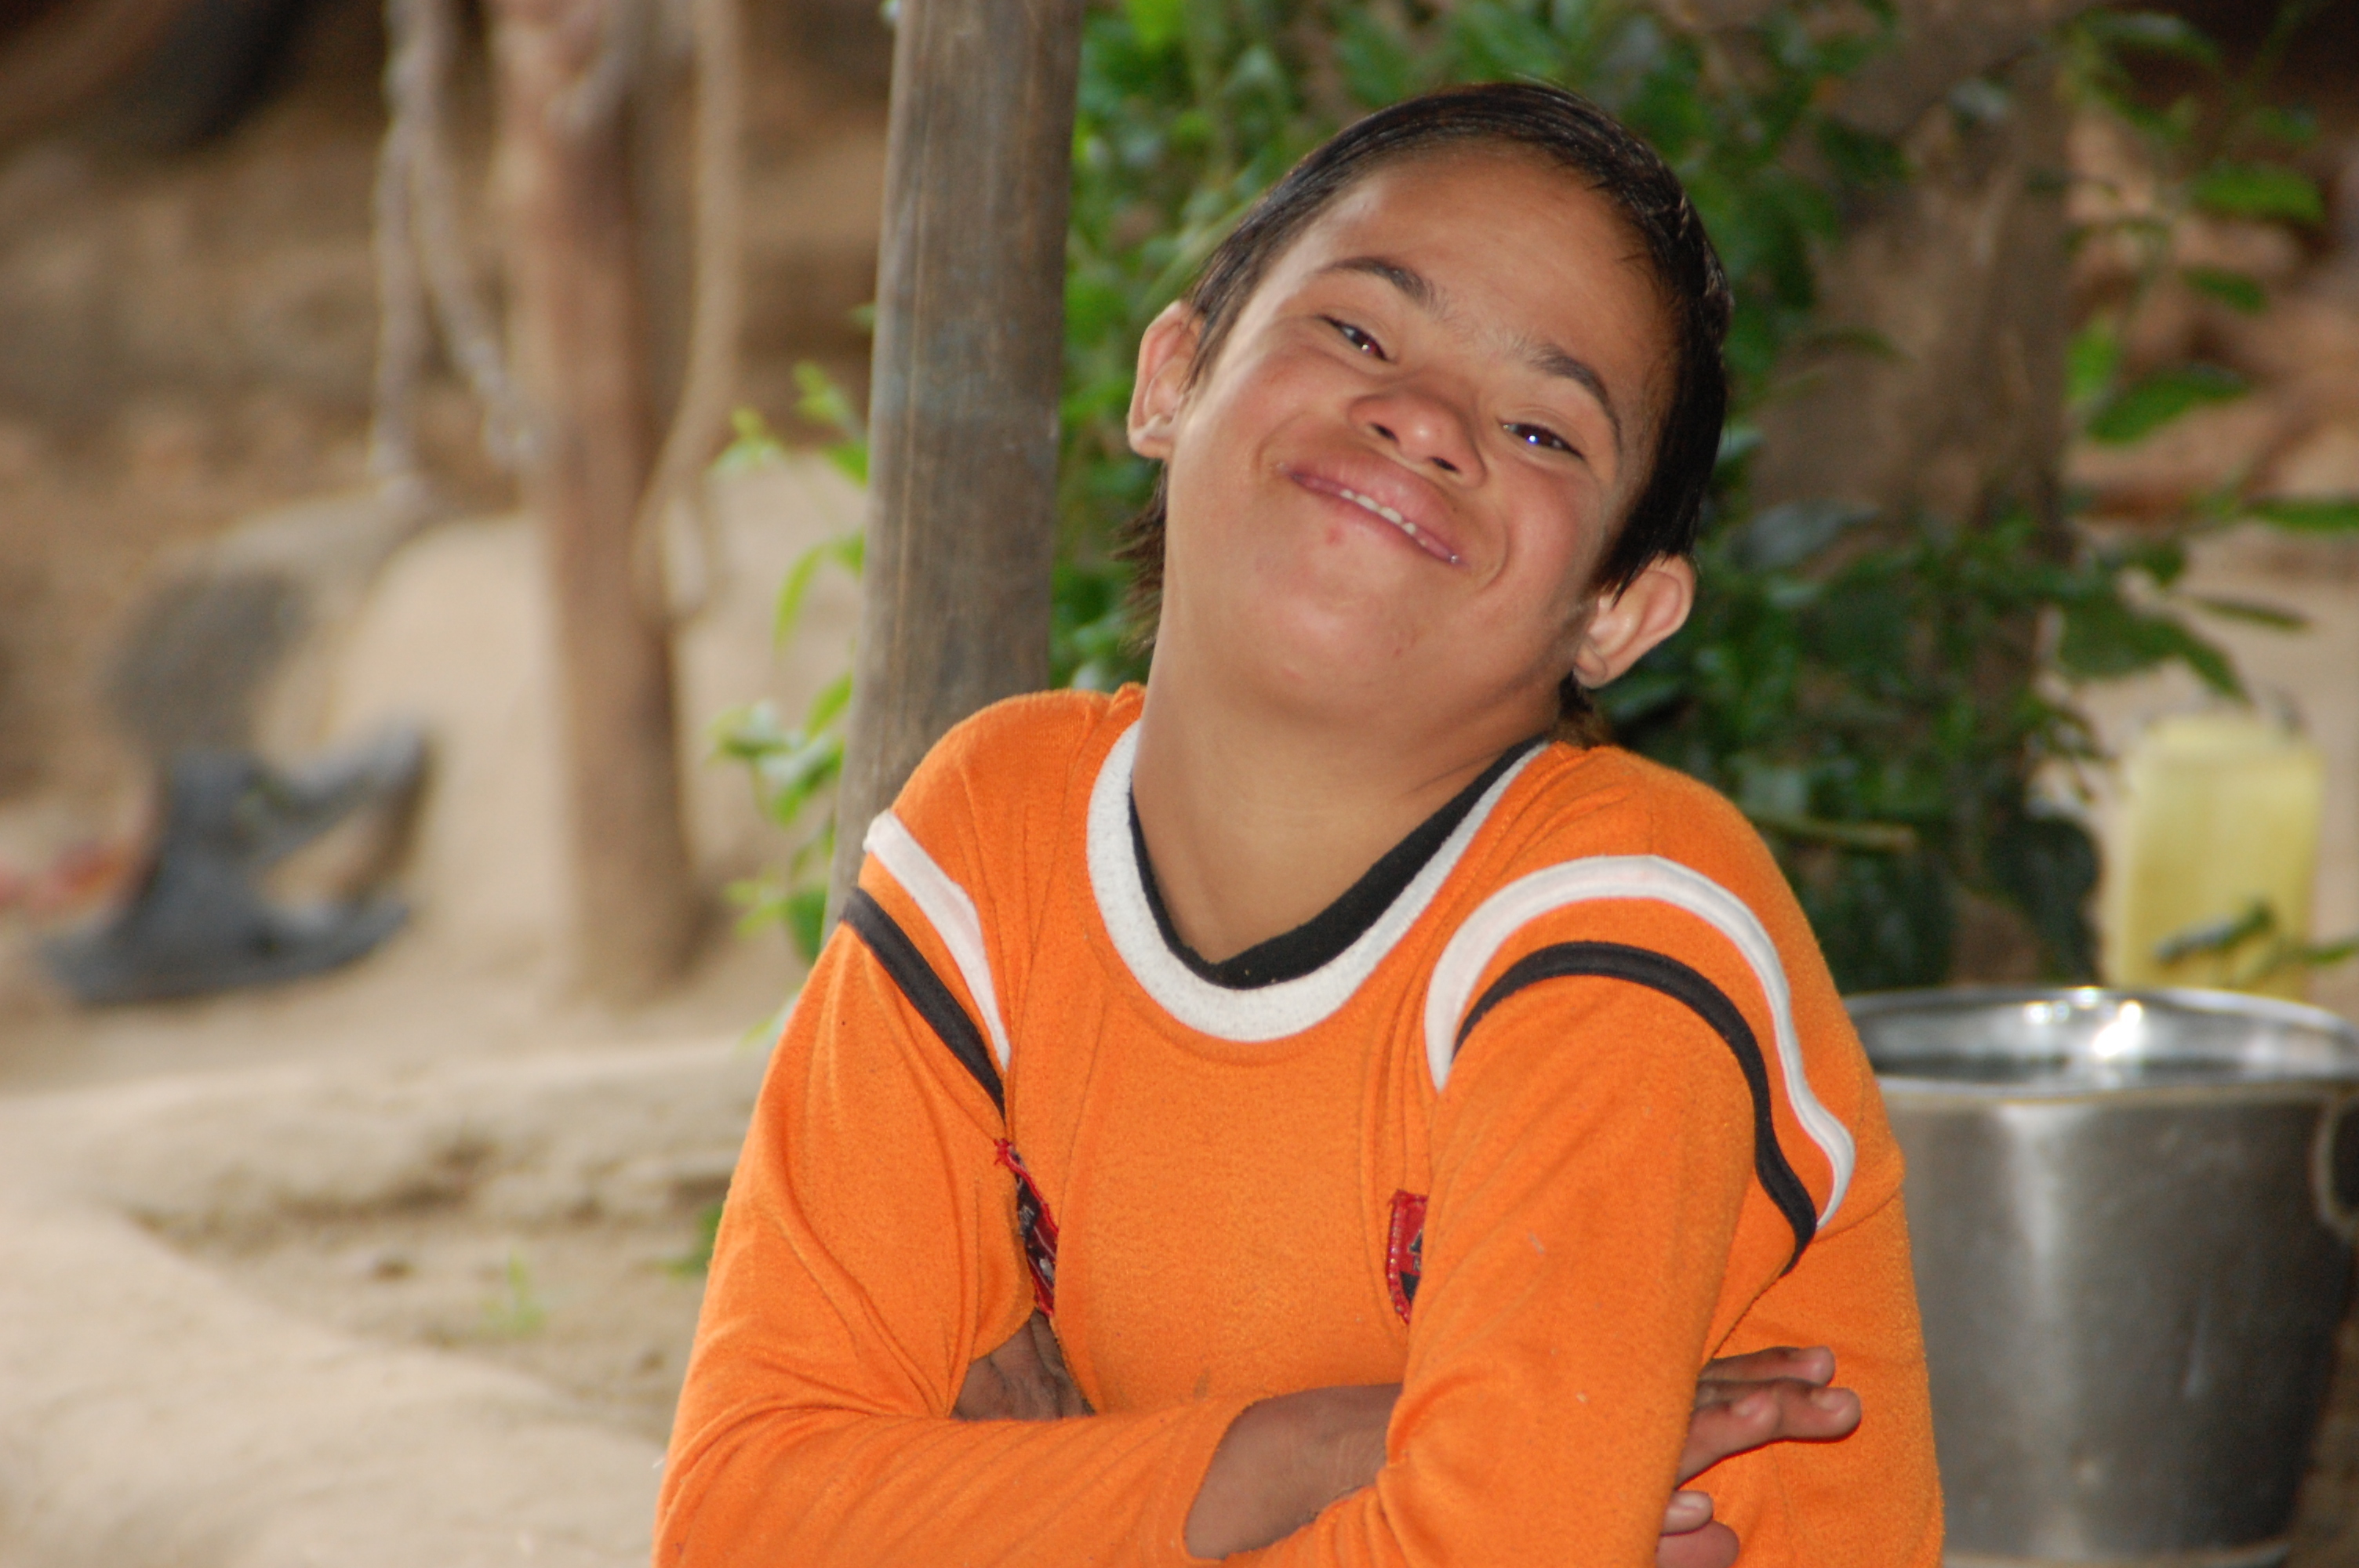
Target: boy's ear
[(1622, 629), (1167, 357)]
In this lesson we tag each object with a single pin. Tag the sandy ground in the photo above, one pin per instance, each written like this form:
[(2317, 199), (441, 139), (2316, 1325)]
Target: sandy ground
[(309, 1315)]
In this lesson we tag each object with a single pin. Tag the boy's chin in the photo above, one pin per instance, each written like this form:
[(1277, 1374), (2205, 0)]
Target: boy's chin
[(1336, 671)]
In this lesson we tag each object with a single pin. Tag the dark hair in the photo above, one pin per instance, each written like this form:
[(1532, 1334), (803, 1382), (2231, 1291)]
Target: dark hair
[(1575, 134)]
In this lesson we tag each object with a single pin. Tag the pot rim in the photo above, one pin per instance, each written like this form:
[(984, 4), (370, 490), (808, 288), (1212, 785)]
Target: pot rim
[(2309, 1078)]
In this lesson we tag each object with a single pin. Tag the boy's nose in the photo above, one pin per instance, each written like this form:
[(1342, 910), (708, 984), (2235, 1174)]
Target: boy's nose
[(1423, 429)]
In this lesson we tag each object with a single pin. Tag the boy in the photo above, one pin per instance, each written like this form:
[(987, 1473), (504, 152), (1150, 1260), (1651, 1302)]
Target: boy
[(1397, 1108)]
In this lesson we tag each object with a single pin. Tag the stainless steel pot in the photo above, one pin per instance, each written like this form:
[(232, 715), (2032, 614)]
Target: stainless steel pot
[(2132, 1215)]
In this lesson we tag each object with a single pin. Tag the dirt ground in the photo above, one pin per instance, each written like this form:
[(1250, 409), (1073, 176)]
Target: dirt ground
[(391, 1266)]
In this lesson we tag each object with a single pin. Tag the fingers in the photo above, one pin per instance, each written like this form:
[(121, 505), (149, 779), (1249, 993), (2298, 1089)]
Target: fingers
[(1687, 1511), (1815, 1364), (1714, 1546), (1734, 1418)]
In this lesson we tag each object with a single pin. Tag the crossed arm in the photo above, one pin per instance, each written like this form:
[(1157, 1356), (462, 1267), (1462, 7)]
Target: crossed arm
[(866, 1247), (1286, 1458)]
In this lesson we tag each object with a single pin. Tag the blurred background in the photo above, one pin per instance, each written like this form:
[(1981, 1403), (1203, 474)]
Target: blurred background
[(432, 465)]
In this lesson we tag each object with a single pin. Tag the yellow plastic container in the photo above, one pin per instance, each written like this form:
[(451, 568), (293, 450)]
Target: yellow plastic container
[(2220, 814)]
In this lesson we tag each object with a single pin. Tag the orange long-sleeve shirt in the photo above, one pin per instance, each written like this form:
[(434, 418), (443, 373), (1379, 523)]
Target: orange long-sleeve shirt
[(1556, 1105)]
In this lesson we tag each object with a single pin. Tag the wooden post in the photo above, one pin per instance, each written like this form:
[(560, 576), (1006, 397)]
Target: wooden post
[(962, 408), (578, 325)]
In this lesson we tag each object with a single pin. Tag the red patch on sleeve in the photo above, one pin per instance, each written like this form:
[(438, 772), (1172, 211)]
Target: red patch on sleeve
[(1405, 1251), (1037, 1229)]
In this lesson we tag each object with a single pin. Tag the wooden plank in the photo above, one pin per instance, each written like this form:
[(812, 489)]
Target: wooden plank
[(578, 323), (962, 407)]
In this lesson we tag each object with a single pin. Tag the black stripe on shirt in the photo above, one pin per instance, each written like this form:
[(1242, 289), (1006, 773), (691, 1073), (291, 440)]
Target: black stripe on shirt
[(1615, 960), (1317, 942), (934, 1001)]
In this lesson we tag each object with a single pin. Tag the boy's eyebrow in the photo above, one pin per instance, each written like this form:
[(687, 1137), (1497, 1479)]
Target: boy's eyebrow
[(1549, 360), (1407, 279), (1543, 356)]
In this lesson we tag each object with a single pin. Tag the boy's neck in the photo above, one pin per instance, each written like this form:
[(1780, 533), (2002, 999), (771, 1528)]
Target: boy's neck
[(1257, 820)]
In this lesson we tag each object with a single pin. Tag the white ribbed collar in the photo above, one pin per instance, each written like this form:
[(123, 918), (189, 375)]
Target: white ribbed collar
[(1265, 1012)]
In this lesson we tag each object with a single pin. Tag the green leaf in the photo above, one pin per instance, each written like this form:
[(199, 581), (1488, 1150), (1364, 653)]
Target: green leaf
[(843, 550), (2217, 938), (1869, 837), (753, 446), (805, 917), (2105, 639), (2326, 955), (746, 733), (2304, 514), (1860, 157), (831, 700), (2152, 32), (697, 1261), (2045, 865), (1377, 68), (2143, 408), (2237, 290), (516, 1311), (1851, 340), (850, 460), (793, 778), (1787, 536), (822, 401), (1885, 921), (2294, 126), (763, 900), (2258, 191), (2252, 614), (1156, 24), (1980, 100), (2091, 362), (2163, 560)]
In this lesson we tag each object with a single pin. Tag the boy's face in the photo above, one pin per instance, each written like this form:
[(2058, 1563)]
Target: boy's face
[(1401, 471)]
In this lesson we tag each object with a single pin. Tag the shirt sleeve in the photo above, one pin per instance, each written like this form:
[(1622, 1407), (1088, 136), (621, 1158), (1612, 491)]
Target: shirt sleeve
[(866, 1254), (1591, 1158)]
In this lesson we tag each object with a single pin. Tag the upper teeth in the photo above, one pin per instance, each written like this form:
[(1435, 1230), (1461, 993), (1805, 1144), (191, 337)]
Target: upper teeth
[(1381, 510)]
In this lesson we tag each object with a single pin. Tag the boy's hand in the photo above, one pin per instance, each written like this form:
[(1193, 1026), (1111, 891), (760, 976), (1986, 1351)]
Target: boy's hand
[(1743, 1402), (1286, 1458), (1024, 1379)]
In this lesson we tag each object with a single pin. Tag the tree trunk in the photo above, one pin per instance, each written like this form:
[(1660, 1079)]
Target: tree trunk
[(962, 421), (578, 325), (1959, 270)]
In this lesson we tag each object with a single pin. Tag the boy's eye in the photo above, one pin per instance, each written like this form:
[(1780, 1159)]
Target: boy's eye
[(1539, 436), (1356, 338)]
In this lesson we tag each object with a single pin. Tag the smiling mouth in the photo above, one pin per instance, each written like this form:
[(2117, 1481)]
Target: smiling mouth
[(1425, 541)]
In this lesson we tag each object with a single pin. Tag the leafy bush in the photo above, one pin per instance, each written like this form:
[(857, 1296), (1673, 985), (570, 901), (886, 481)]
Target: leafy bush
[(1868, 689)]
